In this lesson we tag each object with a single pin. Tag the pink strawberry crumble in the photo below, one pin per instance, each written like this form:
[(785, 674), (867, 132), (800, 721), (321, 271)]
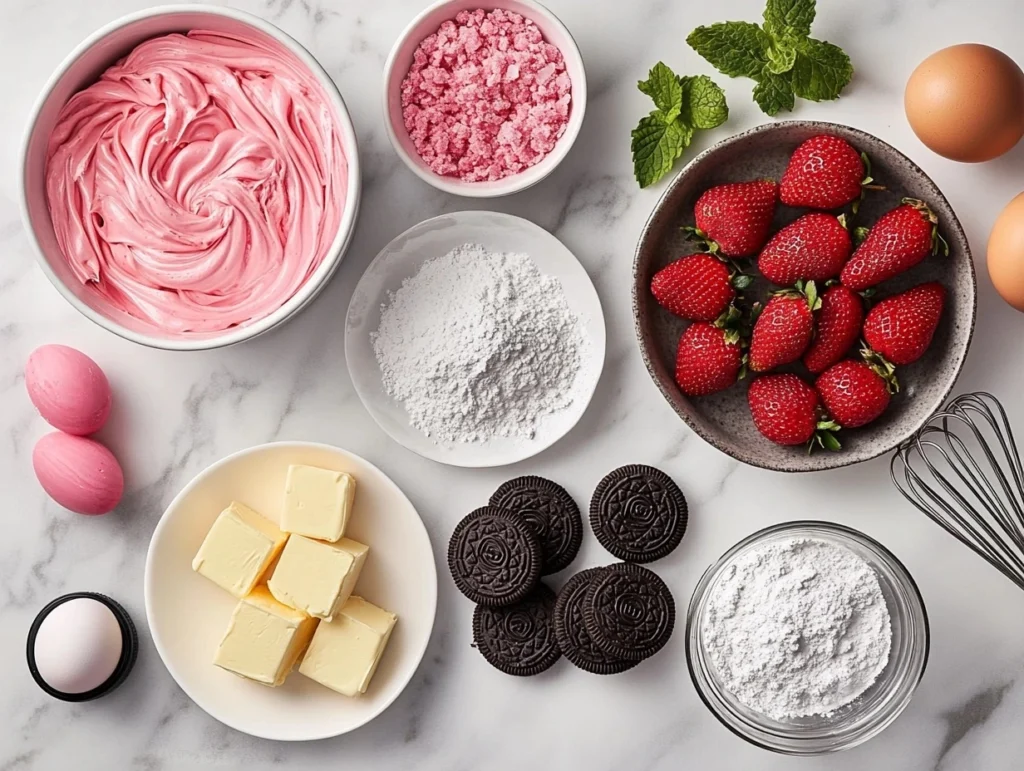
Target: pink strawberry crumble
[(486, 96)]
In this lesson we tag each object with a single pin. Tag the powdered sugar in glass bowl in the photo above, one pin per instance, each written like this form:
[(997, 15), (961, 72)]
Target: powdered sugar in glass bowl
[(539, 129), (859, 720)]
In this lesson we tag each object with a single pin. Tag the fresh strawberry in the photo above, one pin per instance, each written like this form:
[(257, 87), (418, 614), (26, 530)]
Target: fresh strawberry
[(784, 328), (788, 411), (825, 172), (837, 328), (898, 241), (901, 328), (698, 287), (709, 359), (814, 248), (854, 392), (734, 219)]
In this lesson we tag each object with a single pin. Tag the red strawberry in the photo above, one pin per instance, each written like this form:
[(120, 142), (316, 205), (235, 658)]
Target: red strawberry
[(735, 218), (854, 393), (698, 287), (784, 328), (814, 248), (786, 410), (825, 172), (837, 328), (900, 328), (709, 359), (898, 241)]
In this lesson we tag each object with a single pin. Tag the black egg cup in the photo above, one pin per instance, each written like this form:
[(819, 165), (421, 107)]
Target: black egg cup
[(129, 648)]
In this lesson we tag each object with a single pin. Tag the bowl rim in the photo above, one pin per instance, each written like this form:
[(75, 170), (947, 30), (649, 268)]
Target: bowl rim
[(515, 183), (313, 285), (839, 459), (162, 524), (700, 596)]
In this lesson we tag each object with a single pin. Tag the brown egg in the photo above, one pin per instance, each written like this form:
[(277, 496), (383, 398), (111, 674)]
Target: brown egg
[(1006, 253), (966, 102)]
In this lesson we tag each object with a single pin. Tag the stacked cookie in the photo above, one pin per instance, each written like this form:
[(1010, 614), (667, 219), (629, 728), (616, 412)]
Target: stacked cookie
[(605, 620)]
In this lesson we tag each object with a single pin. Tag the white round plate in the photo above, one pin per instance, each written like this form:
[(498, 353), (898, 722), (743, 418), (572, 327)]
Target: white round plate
[(188, 614), (400, 260)]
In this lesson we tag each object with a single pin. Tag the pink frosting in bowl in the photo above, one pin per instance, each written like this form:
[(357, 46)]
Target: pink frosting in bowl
[(190, 189)]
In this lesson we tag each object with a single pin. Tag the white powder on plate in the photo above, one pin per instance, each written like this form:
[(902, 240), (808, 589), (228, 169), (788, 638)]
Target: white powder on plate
[(797, 627), (478, 345)]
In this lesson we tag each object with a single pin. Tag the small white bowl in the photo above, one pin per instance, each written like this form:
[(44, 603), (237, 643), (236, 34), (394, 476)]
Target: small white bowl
[(188, 614), (400, 59), (80, 69)]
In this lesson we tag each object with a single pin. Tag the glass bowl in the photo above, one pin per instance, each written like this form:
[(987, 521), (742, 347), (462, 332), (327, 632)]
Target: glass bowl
[(855, 722)]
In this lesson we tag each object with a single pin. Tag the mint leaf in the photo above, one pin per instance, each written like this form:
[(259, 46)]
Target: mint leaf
[(821, 70), (734, 48), (703, 103), (781, 57), (656, 146), (664, 88), (774, 93), (788, 18)]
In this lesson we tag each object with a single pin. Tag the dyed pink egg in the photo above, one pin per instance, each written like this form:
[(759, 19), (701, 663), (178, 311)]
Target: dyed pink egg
[(68, 388), (78, 473)]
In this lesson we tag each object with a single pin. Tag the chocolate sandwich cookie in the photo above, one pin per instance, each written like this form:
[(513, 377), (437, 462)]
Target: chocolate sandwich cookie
[(638, 513), (552, 514), (494, 557), (629, 611), (573, 640), (518, 639)]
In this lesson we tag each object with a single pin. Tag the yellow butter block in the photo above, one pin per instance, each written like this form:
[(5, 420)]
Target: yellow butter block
[(317, 502), (238, 549), (316, 577), (344, 653), (264, 639)]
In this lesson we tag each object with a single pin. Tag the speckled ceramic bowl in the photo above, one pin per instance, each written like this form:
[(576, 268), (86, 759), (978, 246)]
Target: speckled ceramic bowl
[(723, 419)]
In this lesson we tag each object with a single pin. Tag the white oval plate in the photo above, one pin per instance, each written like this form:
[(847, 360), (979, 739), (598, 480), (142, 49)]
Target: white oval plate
[(188, 614), (400, 260)]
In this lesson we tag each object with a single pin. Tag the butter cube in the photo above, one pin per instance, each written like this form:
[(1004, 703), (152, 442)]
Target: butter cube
[(264, 639), (316, 577), (344, 653), (317, 502), (238, 549)]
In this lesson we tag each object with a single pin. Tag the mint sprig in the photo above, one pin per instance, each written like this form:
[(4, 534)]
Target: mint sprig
[(682, 105), (780, 55)]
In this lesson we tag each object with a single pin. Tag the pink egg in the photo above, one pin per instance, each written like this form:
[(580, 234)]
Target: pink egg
[(78, 473), (68, 388)]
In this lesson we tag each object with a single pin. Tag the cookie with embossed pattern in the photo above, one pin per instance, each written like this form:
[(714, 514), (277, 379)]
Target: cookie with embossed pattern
[(573, 640), (494, 557), (638, 513), (518, 639), (552, 514), (629, 611)]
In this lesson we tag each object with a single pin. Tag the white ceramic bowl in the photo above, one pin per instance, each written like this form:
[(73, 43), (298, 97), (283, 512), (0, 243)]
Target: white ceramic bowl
[(80, 69), (400, 59), (401, 259), (188, 614)]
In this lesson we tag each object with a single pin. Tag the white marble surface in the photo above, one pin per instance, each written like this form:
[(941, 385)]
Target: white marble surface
[(176, 413)]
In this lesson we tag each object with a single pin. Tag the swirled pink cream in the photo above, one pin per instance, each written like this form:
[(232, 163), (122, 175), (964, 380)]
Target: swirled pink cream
[(199, 182)]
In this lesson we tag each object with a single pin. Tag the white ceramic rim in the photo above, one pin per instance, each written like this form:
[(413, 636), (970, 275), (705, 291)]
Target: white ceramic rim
[(517, 182), (148, 581), (346, 227), (530, 451)]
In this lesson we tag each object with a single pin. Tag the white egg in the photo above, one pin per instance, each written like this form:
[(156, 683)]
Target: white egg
[(78, 645)]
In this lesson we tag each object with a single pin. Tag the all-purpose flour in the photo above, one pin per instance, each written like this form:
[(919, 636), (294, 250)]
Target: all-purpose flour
[(797, 627), (479, 344)]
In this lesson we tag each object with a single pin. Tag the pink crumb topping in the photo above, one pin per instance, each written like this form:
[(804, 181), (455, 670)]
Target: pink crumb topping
[(486, 97)]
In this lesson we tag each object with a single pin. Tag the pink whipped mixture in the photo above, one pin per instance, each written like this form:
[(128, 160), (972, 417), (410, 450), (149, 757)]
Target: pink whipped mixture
[(199, 182), (486, 96)]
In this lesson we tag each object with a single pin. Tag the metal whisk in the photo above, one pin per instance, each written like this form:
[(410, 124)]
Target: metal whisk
[(963, 470)]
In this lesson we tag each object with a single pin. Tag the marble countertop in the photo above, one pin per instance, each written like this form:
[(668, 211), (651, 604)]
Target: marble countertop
[(177, 413)]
